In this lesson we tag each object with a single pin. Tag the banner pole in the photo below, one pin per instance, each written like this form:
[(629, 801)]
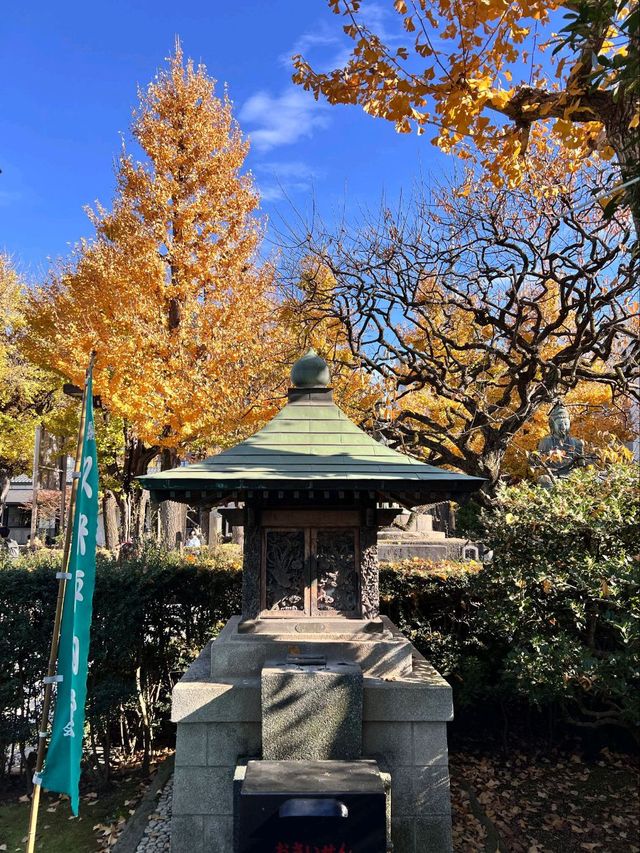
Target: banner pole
[(55, 639)]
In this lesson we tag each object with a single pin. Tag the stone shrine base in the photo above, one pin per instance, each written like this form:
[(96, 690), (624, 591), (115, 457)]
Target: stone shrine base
[(405, 707)]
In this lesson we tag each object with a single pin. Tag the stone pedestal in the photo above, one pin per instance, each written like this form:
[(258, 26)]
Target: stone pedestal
[(218, 709), (312, 712)]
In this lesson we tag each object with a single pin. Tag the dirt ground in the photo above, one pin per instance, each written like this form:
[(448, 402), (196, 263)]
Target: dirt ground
[(539, 802), (519, 802)]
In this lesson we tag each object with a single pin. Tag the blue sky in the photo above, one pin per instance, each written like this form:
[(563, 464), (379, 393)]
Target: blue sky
[(70, 73)]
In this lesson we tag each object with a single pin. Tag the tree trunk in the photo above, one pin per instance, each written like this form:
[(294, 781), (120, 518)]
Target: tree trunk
[(173, 515), (488, 465), (146, 725), (125, 517), (133, 513), (133, 500), (626, 143), (107, 749), (5, 482), (237, 536), (63, 493), (204, 526), (173, 522), (154, 519), (140, 515), (110, 518)]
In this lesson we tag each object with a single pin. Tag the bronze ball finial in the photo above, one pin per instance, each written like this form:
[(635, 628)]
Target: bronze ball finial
[(310, 371)]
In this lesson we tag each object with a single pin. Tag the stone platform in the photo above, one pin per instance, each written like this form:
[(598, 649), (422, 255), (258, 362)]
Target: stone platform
[(383, 653), (217, 706), (411, 536)]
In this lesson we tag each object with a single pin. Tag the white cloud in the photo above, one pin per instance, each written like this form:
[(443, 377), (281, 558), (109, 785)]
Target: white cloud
[(9, 197), (322, 36), (382, 21), (326, 46), (282, 119), (290, 169), (271, 192), (285, 179)]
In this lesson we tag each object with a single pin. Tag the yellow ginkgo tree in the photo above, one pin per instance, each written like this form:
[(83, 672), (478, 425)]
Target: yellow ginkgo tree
[(170, 292), (481, 74), (306, 315), (23, 395), (30, 396)]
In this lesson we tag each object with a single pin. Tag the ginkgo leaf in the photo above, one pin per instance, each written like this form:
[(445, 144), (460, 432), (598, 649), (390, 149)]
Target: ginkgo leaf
[(468, 49)]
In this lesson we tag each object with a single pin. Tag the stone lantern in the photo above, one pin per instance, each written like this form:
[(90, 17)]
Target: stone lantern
[(310, 676)]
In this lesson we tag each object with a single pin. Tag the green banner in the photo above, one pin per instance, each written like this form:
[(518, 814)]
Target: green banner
[(62, 766)]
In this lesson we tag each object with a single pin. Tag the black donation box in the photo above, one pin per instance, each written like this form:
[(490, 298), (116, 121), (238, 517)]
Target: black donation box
[(311, 807)]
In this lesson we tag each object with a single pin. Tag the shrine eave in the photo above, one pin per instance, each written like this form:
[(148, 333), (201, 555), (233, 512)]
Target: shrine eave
[(409, 492)]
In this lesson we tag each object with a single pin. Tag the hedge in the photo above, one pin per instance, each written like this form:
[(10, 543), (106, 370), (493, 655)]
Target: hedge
[(152, 615), (553, 621)]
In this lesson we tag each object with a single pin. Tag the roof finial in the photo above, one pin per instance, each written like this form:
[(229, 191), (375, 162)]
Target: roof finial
[(310, 371)]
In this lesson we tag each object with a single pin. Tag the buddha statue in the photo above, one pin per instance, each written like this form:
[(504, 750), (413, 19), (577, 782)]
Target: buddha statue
[(560, 451)]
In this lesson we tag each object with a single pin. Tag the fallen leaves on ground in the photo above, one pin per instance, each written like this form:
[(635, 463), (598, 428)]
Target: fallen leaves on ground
[(546, 802), (107, 834)]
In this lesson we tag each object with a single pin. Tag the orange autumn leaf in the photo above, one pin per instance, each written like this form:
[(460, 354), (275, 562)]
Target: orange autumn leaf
[(449, 63)]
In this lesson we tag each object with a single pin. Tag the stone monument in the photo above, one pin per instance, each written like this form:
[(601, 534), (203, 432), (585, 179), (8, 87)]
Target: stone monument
[(310, 687), (560, 450)]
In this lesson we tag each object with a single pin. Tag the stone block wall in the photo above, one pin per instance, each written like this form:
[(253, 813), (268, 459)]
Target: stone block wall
[(206, 758), (217, 722), (403, 728), (415, 754)]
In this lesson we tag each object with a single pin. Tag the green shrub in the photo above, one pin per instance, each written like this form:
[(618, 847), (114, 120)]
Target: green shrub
[(152, 615), (27, 604), (560, 614), (432, 604), (553, 620)]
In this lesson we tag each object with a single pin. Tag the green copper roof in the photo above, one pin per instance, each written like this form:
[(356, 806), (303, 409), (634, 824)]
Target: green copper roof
[(310, 443)]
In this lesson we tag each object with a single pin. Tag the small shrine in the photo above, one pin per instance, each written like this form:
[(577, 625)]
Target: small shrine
[(312, 484), (309, 687)]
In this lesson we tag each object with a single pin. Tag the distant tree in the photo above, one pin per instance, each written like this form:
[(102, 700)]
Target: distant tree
[(48, 504), (477, 308), (472, 69), (170, 292), (27, 392)]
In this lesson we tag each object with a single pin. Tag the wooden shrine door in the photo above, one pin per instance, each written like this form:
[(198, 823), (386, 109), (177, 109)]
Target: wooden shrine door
[(310, 571)]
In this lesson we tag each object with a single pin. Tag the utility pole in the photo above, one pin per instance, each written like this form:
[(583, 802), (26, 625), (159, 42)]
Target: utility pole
[(36, 483), (63, 489)]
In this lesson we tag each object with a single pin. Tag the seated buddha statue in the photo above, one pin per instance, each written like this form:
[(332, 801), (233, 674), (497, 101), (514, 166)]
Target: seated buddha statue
[(560, 451)]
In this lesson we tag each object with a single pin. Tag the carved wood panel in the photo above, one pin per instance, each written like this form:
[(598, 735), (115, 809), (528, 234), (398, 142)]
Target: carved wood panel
[(286, 575), (310, 570), (336, 571)]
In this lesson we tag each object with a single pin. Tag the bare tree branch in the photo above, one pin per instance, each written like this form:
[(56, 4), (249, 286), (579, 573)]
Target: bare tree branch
[(478, 313)]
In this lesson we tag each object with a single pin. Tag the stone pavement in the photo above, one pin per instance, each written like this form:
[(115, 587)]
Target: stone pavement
[(157, 834)]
